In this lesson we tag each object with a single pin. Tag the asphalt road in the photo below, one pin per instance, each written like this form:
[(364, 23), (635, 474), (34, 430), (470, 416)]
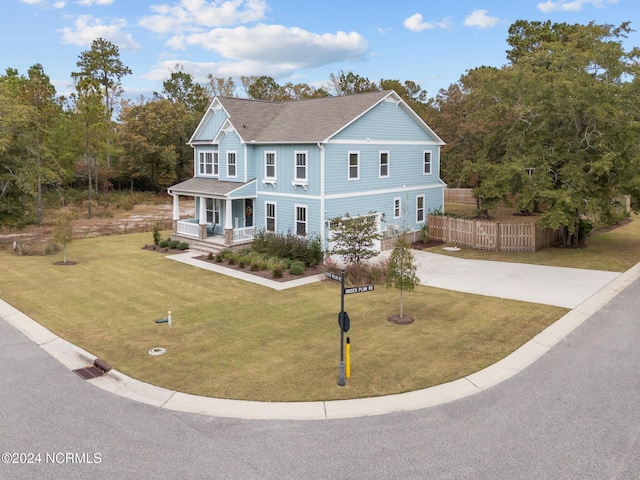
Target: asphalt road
[(573, 414)]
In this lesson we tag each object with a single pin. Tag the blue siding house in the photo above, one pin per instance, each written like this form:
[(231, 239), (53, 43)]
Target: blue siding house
[(293, 166)]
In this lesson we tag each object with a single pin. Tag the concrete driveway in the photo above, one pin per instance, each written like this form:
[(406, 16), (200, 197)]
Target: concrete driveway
[(559, 286)]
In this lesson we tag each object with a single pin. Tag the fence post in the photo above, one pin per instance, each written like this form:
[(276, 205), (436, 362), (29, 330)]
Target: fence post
[(497, 242)]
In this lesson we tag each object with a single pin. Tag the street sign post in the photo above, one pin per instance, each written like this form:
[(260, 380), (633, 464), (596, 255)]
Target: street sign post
[(363, 288)]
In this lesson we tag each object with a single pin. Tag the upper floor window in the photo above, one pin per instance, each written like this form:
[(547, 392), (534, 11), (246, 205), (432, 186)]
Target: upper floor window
[(301, 166), (397, 208), (270, 165), (426, 163), (420, 208), (384, 164), (231, 164), (206, 163), (354, 165), (216, 164)]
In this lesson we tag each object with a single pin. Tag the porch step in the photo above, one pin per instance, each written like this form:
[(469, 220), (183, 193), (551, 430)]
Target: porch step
[(200, 246)]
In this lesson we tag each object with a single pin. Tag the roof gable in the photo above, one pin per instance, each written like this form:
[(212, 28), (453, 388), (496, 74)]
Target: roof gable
[(302, 121)]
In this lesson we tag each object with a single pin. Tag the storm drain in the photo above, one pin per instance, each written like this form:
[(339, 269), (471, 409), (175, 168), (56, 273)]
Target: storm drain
[(98, 369)]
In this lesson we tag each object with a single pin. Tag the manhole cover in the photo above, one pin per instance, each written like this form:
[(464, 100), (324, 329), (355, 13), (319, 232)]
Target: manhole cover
[(157, 351)]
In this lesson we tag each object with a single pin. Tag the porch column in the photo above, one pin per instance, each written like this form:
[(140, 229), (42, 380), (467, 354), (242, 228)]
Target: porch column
[(228, 222), (176, 206), (202, 218)]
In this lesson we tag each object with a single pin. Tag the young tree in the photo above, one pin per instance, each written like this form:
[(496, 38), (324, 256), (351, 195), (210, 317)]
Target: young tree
[(63, 230), (401, 270), (354, 238)]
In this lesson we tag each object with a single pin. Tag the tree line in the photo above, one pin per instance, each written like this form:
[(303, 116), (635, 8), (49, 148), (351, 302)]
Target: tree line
[(556, 128)]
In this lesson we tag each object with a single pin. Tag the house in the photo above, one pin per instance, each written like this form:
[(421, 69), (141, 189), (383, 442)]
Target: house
[(293, 166)]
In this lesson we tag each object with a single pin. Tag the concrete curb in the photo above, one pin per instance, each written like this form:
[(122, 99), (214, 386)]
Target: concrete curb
[(115, 382)]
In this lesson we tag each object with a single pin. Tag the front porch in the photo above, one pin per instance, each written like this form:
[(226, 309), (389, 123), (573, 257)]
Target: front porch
[(223, 214), (202, 236)]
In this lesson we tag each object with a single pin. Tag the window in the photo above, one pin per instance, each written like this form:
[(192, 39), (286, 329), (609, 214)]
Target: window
[(354, 165), (426, 168), (213, 211), (384, 164), (420, 208), (216, 164), (301, 220), (270, 165), (270, 213), (231, 164), (397, 208), (301, 166), (206, 163)]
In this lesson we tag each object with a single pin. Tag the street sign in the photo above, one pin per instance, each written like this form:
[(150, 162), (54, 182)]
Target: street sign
[(344, 321), (364, 288), (333, 276)]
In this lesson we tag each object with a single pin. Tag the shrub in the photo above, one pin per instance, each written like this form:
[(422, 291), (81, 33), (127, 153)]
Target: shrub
[(182, 246), (255, 266), (164, 243), (156, 234), (210, 256), (296, 268), (231, 260), (174, 244), (277, 271)]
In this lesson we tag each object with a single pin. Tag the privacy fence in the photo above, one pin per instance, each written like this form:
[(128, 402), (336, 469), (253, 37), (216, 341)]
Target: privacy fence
[(485, 235)]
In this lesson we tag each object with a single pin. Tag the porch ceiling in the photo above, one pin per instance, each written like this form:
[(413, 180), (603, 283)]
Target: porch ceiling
[(206, 186)]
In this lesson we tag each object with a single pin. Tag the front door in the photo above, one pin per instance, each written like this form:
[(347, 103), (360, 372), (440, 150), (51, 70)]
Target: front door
[(248, 212)]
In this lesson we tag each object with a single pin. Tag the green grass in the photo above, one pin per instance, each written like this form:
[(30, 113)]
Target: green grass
[(232, 339)]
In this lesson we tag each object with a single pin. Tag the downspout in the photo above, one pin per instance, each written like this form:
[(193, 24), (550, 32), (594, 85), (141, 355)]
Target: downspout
[(322, 194)]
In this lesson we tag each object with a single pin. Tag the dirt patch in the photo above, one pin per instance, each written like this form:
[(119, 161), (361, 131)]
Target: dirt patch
[(142, 218), (68, 262), (404, 320)]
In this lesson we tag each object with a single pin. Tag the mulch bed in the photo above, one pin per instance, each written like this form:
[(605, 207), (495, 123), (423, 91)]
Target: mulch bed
[(286, 276), (420, 245), (405, 320)]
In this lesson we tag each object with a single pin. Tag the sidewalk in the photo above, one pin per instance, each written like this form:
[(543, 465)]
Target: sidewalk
[(479, 277)]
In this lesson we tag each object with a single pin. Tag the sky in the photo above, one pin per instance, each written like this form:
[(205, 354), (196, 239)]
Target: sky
[(429, 42)]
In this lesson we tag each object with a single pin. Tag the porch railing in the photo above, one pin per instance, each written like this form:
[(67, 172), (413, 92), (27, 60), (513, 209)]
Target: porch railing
[(189, 227), (241, 234)]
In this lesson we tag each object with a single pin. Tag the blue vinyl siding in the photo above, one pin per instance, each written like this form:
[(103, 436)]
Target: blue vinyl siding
[(285, 169), (231, 143), (285, 212), (385, 122), (213, 125)]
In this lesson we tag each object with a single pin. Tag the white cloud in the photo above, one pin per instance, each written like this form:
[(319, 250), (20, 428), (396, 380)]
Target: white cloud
[(88, 3), (45, 3), (87, 28), (571, 5), (415, 23), (293, 47), (479, 18), (188, 15)]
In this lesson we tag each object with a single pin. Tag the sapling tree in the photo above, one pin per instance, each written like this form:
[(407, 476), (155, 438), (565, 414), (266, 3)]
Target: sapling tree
[(401, 269), (63, 230), (354, 238)]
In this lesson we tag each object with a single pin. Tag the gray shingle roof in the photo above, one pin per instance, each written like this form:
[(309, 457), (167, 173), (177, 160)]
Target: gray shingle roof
[(206, 186), (302, 121)]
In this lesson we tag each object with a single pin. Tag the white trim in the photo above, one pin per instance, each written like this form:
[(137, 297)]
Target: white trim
[(263, 193), (380, 153), (381, 142), (381, 192), (235, 154), (349, 177)]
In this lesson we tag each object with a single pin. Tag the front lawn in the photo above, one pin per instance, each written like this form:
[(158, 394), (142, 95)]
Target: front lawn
[(232, 339)]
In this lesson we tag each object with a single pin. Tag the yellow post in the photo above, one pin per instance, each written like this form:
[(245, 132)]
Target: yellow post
[(347, 355)]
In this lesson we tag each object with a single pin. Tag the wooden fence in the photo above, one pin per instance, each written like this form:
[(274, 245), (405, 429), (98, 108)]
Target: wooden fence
[(458, 195), (485, 235)]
